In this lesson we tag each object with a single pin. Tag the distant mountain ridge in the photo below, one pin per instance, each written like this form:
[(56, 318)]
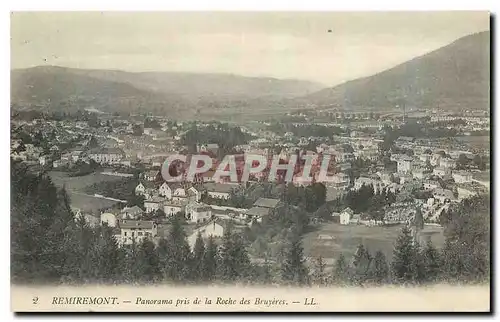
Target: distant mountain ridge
[(455, 76), (162, 92)]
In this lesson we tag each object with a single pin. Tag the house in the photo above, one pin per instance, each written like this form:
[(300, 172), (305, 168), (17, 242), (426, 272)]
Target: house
[(197, 213), (211, 147), (441, 171), (364, 181), (146, 189), (405, 177), (173, 207), (419, 173), (267, 203), (462, 176), (165, 190), (106, 155), (134, 212), (346, 216), (261, 208), (194, 193), (436, 159), (219, 190), (136, 230), (44, 159), (404, 141), (447, 163), (339, 181), (257, 213), (179, 194), (404, 164), (431, 184), (153, 204), (386, 177)]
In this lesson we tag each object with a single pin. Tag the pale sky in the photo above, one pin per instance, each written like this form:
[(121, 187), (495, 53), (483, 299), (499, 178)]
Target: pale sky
[(282, 45)]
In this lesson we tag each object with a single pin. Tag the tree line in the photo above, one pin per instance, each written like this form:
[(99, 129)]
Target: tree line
[(49, 246)]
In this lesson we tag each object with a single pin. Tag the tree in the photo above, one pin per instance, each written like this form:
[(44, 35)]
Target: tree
[(41, 228), (293, 269), (479, 162), (210, 260), (93, 142), (107, 253), (159, 214), (432, 263), (361, 264), (136, 200), (466, 254), (198, 255), (319, 276), (462, 161), (379, 271), (341, 274), (137, 130), (179, 259), (234, 260), (148, 263), (404, 254)]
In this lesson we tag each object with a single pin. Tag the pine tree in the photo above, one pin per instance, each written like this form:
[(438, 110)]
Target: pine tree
[(452, 264), (293, 269), (234, 259), (109, 260), (163, 256), (341, 274), (198, 254), (432, 262), (265, 276), (319, 276), (379, 270), (361, 264), (148, 265), (209, 268), (403, 263), (179, 253), (419, 265), (131, 271)]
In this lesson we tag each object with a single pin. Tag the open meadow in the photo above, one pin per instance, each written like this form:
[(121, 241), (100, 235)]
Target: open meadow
[(75, 186), (332, 239)]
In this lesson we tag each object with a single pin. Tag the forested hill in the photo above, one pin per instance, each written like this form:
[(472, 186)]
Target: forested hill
[(456, 76)]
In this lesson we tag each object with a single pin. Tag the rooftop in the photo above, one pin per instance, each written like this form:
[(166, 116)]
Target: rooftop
[(258, 211), (219, 187), (142, 224), (101, 150), (266, 203)]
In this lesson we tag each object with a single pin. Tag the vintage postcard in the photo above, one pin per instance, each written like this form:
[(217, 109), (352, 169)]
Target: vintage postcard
[(250, 161)]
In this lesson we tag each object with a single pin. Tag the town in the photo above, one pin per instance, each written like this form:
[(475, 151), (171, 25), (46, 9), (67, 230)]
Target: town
[(385, 171)]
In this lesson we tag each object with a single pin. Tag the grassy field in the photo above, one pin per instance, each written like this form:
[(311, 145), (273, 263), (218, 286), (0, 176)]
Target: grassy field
[(79, 183), (332, 239), (478, 142), (75, 187)]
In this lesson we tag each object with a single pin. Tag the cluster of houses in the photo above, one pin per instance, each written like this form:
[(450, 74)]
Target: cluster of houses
[(129, 226)]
